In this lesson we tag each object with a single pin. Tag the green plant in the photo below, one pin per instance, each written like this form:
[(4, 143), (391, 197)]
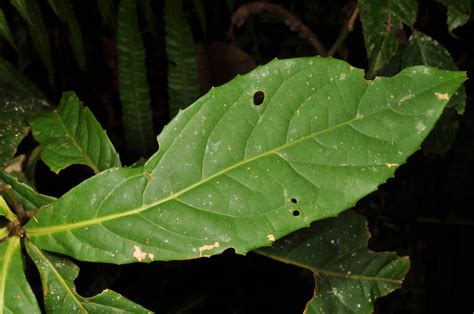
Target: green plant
[(293, 142)]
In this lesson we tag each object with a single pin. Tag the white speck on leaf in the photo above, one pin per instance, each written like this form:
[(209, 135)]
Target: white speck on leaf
[(420, 127)]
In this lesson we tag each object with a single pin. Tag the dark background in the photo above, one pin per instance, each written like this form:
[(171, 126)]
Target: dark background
[(423, 212)]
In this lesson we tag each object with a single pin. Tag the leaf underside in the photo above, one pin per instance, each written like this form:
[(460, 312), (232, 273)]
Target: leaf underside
[(232, 174), (57, 277), (16, 295), (71, 135), (348, 276)]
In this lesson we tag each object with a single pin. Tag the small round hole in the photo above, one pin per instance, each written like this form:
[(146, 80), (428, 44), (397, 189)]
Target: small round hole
[(294, 200), (258, 98), (296, 213)]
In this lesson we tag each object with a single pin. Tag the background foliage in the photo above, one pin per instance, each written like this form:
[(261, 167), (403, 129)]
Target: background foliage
[(101, 50)]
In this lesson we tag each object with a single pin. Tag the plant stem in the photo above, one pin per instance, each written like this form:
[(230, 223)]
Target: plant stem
[(347, 28)]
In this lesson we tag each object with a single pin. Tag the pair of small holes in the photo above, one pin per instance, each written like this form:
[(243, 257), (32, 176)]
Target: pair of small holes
[(295, 212), (258, 98)]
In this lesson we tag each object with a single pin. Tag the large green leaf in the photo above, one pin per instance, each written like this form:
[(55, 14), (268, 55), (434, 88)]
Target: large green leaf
[(459, 13), (382, 21), (58, 275), (24, 194), (423, 50), (16, 295), (5, 31), (266, 154), (183, 84), (349, 276), (71, 135), (134, 94), (31, 13), (15, 107), (65, 12)]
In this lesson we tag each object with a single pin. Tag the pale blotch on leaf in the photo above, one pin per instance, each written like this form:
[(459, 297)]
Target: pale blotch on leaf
[(442, 96), (138, 253), (390, 165), (208, 247), (271, 237)]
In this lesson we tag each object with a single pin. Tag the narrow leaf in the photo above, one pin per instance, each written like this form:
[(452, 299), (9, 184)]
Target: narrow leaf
[(266, 154), (11, 77), (15, 108), (134, 94), (201, 14), (58, 275), (5, 30), (146, 11), (16, 295), (423, 50), (382, 22), (65, 12), (349, 276), (459, 13), (31, 13), (71, 135), (24, 194), (109, 13), (183, 84)]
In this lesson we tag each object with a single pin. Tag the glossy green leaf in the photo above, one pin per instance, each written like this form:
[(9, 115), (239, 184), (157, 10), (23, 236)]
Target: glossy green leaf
[(5, 31), (31, 13), (65, 12), (109, 13), (24, 194), (459, 13), (16, 295), (349, 276), (71, 135), (382, 21), (183, 84), (11, 77), (292, 142), (57, 277), (423, 50), (15, 107), (134, 94)]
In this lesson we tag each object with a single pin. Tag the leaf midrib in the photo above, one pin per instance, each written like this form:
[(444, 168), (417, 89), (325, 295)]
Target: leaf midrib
[(59, 277), (99, 220)]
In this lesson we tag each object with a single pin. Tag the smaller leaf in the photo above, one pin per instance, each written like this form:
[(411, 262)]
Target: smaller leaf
[(65, 12), (57, 277), (11, 77), (459, 13), (15, 108), (16, 295), (382, 22), (5, 30), (350, 277), (5, 210), (71, 135), (31, 13), (24, 194)]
